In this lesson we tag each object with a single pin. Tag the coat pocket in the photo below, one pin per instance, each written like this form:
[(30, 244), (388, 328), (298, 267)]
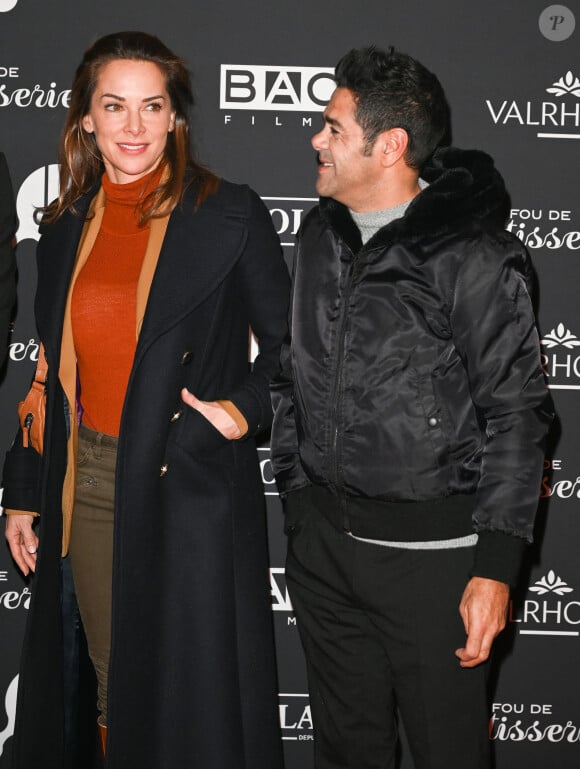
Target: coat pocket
[(196, 435)]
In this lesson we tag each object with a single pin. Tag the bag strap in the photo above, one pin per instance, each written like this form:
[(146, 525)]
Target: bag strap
[(41, 366)]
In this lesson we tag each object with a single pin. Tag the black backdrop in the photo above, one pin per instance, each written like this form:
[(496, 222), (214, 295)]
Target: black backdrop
[(511, 71)]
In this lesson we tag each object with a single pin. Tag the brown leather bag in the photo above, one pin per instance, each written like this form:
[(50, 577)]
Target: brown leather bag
[(32, 410)]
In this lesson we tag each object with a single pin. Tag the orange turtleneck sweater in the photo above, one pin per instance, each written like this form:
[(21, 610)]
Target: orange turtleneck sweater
[(104, 304)]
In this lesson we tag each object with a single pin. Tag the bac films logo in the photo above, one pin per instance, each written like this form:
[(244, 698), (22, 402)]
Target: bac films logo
[(275, 90), (553, 117), (552, 611)]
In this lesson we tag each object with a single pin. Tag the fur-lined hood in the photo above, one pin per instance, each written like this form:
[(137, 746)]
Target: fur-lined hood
[(465, 191)]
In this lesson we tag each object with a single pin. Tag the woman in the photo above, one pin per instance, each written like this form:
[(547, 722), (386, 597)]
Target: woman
[(150, 273)]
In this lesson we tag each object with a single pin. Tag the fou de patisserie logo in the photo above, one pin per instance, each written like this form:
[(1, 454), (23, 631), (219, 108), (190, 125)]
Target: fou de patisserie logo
[(530, 722), (552, 609), (557, 483), (560, 358), (14, 92), (247, 91), (10, 599), (554, 117), (545, 229)]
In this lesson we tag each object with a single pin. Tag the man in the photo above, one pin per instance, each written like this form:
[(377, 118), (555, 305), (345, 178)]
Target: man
[(410, 418), (7, 259)]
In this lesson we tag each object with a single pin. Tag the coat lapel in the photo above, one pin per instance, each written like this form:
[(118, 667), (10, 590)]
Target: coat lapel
[(200, 248)]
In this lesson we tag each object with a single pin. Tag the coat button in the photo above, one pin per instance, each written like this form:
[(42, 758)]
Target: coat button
[(186, 358), (163, 469), (176, 414), (433, 421)]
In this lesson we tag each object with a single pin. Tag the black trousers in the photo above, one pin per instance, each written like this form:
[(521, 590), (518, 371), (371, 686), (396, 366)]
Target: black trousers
[(380, 626)]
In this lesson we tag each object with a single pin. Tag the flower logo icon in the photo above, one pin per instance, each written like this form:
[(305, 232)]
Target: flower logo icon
[(565, 85)]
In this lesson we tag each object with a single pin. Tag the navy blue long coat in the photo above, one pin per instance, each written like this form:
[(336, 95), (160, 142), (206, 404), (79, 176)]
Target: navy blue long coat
[(192, 671)]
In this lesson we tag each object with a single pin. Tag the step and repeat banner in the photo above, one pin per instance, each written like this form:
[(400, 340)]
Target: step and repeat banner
[(262, 75)]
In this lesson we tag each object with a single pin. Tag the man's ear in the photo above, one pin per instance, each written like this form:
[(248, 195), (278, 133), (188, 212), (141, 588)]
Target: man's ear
[(393, 144)]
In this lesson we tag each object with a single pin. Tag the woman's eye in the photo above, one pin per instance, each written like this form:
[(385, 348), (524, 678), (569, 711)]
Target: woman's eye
[(114, 107), (155, 106)]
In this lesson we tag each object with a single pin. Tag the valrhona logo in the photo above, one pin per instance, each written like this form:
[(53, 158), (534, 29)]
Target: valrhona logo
[(530, 722), (552, 611), (560, 358), (554, 117)]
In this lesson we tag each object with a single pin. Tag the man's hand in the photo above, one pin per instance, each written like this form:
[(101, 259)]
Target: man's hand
[(483, 609), (23, 541), (214, 413)]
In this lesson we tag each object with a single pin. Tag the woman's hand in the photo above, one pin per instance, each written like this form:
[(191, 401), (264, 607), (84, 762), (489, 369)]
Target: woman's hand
[(22, 541), (214, 413)]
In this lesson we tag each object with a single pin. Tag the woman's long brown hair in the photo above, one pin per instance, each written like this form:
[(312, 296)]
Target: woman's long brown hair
[(81, 165)]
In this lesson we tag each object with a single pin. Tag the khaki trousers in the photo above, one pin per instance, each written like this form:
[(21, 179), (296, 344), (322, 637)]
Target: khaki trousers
[(91, 549)]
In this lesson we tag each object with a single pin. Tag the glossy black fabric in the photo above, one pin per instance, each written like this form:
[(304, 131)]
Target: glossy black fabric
[(414, 371)]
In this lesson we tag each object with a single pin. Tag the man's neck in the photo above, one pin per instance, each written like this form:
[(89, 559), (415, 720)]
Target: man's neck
[(370, 222), (401, 189)]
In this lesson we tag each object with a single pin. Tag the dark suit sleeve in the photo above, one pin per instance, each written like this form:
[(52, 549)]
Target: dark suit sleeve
[(7, 258)]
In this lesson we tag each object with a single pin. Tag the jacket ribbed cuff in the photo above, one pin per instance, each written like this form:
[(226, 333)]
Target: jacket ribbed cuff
[(499, 556)]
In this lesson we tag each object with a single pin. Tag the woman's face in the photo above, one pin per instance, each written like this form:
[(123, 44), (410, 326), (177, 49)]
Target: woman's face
[(130, 116)]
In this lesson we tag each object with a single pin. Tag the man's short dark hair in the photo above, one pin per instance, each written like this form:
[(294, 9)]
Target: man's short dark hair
[(393, 90)]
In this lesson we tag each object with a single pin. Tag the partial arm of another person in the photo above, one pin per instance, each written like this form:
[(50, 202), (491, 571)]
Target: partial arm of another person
[(495, 334), (7, 257), (20, 479)]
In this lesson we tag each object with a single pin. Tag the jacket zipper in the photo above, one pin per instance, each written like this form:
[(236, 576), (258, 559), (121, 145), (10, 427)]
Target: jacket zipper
[(337, 396)]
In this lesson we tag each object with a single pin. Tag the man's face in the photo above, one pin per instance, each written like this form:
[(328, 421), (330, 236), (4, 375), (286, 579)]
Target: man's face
[(345, 173)]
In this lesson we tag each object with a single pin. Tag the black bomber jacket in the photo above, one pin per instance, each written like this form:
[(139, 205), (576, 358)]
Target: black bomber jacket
[(412, 383)]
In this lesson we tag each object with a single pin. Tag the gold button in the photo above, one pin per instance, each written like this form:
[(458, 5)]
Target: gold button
[(163, 470), (176, 414)]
